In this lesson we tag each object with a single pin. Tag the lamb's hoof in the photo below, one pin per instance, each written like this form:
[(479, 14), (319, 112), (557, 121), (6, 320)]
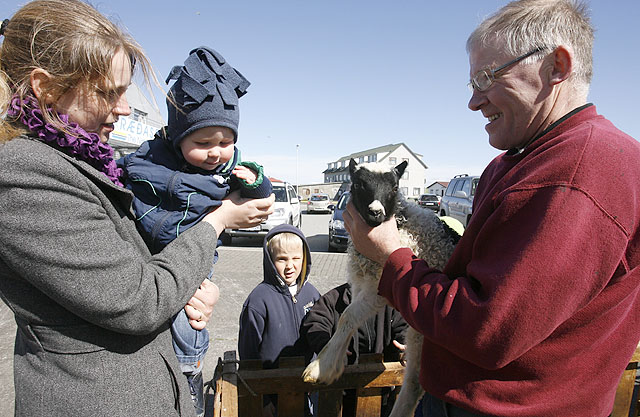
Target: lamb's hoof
[(311, 372), (320, 372)]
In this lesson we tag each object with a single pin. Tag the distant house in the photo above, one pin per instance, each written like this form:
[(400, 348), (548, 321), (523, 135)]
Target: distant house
[(437, 188), (411, 182)]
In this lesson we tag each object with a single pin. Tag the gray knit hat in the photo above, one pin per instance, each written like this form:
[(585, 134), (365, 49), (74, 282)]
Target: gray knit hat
[(206, 93)]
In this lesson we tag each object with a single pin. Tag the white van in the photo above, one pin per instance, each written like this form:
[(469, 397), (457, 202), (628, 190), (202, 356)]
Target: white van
[(286, 209)]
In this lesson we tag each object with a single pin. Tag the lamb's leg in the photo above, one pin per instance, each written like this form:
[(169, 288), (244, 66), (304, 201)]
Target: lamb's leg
[(329, 364), (411, 391)]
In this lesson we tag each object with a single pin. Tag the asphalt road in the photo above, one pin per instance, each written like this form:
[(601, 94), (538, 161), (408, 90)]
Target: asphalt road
[(237, 272)]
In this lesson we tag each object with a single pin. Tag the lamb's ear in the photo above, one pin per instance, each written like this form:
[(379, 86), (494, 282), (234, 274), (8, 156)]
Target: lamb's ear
[(399, 169), (352, 166)]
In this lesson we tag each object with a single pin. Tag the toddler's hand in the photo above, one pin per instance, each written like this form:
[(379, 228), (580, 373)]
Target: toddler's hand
[(245, 173)]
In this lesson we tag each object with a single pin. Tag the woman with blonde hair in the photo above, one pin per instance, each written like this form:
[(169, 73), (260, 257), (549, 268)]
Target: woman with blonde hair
[(92, 305)]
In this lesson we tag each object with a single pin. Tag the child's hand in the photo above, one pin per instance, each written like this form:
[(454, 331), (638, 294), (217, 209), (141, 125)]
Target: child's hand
[(245, 173)]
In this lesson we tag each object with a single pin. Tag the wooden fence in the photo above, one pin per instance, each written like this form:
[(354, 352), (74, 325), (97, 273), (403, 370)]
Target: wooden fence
[(240, 385)]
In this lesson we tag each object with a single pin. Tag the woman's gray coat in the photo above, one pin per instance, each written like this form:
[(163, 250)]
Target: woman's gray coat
[(92, 305)]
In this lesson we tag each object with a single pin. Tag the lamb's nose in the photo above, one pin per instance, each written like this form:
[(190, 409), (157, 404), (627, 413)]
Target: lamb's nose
[(376, 209)]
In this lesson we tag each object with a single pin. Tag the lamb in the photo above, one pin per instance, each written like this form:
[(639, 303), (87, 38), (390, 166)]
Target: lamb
[(374, 193)]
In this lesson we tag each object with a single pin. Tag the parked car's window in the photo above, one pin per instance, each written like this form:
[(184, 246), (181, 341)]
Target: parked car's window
[(459, 185), (451, 187), (429, 197), (466, 187), (342, 204), (292, 193), (474, 184), (281, 194), (319, 198)]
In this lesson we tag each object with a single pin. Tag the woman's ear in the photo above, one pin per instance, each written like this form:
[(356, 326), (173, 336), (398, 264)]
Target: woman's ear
[(39, 79), (562, 64)]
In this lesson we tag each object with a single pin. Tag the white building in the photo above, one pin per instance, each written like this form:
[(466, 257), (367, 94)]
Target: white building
[(141, 125), (411, 182), (437, 188)]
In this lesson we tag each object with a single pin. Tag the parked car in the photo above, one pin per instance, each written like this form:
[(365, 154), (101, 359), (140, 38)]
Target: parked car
[(430, 201), (286, 209), (338, 236), (457, 201), (319, 202)]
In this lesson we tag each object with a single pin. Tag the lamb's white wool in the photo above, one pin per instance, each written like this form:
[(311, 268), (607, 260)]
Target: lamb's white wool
[(427, 236), (376, 206)]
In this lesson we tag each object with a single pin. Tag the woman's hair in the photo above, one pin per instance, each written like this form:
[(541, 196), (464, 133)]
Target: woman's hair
[(523, 25), (70, 40)]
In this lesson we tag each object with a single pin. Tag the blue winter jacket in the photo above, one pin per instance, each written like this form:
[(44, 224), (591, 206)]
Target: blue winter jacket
[(171, 195), (271, 317)]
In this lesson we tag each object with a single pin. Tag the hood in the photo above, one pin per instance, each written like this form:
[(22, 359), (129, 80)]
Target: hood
[(269, 269)]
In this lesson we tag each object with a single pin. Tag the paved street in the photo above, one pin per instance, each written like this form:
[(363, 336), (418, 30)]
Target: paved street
[(238, 271)]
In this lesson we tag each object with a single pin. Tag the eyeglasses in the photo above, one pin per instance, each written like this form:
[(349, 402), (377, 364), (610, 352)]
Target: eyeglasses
[(483, 79)]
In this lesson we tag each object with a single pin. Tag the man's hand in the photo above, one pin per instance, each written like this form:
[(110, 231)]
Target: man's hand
[(376, 243)]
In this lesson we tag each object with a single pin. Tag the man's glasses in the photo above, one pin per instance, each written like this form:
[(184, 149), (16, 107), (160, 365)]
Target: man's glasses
[(483, 79)]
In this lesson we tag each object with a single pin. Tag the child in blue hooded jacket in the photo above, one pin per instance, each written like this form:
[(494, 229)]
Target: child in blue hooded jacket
[(186, 171), (273, 312)]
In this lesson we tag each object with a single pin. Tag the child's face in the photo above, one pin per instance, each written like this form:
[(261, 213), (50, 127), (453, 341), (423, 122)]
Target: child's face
[(208, 148), (288, 261)]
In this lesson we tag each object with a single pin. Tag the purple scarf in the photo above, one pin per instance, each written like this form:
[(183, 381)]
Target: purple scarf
[(78, 143)]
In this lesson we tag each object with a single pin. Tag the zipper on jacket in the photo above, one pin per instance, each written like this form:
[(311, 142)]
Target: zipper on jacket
[(156, 228)]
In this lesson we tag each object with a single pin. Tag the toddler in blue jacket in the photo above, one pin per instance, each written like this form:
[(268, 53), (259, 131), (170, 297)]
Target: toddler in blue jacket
[(186, 171)]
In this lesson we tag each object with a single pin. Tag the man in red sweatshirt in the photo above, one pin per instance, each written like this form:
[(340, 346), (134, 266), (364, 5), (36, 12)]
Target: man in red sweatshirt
[(538, 310)]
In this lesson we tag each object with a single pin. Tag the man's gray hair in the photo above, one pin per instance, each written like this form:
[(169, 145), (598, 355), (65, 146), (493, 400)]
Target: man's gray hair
[(524, 25)]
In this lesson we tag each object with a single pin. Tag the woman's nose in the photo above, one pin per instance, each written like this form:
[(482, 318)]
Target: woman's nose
[(122, 106)]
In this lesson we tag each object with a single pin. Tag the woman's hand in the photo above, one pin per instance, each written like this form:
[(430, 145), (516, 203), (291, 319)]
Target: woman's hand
[(376, 243), (237, 212), (200, 306)]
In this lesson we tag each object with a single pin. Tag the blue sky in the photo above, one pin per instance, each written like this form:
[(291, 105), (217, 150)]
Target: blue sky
[(340, 76)]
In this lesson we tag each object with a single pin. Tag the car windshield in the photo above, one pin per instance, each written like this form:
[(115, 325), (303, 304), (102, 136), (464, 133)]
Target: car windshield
[(281, 194), (342, 204), (319, 198)]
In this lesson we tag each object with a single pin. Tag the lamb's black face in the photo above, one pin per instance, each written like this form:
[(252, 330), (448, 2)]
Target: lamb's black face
[(374, 190)]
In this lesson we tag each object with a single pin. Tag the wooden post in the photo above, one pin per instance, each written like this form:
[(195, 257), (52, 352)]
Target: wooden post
[(369, 400), (291, 403), (229, 406), (624, 393), (249, 403)]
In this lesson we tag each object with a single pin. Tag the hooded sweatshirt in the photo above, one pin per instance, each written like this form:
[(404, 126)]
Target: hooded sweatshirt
[(271, 315)]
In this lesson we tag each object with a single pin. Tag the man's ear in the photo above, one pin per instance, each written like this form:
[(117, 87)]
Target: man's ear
[(562, 65), (40, 79)]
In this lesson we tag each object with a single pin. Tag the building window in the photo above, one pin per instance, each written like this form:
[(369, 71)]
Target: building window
[(139, 115), (405, 175), (361, 159), (416, 190), (404, 191), (373, 158), (392, 160), (342, 164)]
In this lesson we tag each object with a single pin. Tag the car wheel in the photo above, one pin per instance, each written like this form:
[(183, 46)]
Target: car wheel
[(443, 213)]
